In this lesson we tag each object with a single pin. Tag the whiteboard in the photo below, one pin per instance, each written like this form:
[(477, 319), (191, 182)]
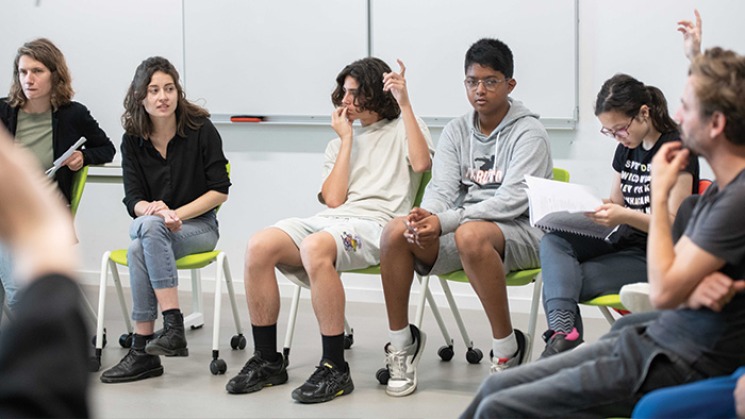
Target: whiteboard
[(270, 57), (432, 37), (103, 42), (653, 51)]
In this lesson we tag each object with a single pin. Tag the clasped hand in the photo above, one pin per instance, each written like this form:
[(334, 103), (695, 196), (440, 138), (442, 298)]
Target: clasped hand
[(422, 227)]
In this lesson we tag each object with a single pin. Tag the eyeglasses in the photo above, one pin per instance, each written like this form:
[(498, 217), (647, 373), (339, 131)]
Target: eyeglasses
[(619, 133), (490, 84)]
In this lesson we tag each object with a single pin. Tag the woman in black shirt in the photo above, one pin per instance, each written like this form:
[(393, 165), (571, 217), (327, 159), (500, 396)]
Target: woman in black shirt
[(175, 176)]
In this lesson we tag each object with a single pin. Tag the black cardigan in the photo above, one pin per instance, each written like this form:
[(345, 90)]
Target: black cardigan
[(69, 122)]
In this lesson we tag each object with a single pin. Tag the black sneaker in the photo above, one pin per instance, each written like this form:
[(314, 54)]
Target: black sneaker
[(257, 374), (557, 342), (135, 366), (325, 384)]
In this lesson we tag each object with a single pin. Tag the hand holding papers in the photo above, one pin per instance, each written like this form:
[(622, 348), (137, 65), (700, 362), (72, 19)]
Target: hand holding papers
[(560, 206), (66, 155)]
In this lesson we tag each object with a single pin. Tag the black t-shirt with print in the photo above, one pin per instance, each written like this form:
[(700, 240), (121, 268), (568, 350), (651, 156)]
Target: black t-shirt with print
[(635, 168)]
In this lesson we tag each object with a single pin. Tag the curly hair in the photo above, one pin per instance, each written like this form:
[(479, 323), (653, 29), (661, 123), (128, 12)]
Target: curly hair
[(44, 51), (136, 121), (625, 94), (370, 95), (721, 88)]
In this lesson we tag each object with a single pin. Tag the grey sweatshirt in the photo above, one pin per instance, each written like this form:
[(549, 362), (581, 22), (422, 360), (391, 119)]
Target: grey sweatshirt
[(479, 177)]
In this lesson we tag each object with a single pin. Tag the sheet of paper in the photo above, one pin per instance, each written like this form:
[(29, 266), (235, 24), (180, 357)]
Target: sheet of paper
[(66, 155)]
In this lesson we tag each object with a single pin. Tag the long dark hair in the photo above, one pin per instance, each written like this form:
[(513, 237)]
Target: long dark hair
[(370, 95), (625, 94), (136, 121), (44, 51)]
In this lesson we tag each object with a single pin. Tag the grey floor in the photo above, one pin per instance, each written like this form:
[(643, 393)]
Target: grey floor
[(188, 389)]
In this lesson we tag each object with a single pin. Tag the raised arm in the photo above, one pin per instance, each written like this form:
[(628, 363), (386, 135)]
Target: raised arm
[(691, 35), (419, 155)]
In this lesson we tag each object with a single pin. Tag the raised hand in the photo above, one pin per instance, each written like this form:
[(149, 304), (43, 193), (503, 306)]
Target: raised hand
[(691, 35), (396, 84)]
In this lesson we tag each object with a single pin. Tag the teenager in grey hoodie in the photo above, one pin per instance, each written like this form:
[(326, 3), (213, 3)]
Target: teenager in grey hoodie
[(474, 215)]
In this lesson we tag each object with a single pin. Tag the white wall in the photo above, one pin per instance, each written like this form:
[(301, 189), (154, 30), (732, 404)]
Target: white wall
[(276, 168)]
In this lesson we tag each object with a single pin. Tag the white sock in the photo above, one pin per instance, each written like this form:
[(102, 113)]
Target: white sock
[(401, 338), (505, 347)]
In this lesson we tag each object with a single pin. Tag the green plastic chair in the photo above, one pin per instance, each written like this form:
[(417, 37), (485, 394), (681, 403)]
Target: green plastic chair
[(193, 262), (514, 278), (371, 270)]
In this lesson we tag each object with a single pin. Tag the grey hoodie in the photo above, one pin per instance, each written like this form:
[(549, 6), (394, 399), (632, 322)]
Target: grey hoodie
[(479, 177)]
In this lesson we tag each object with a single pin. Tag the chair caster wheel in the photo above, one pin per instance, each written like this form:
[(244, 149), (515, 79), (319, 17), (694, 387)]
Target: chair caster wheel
[(474, 355), (93, 340), (238, 342), (94, 364), (446, 352), (383, 375), (125, 340), (218, 367), (348, 341)]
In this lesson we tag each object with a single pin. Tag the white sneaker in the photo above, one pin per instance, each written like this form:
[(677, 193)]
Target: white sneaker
[(501, 364), (402, 364), (635, 297)]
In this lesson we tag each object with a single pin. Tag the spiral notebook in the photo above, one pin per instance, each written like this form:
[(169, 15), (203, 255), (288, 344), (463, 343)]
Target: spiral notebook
[(561, 206)]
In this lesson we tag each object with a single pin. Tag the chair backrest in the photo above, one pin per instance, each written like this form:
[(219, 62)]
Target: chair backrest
[(703, 184), (78, 186), (426, 176), (561, 175)]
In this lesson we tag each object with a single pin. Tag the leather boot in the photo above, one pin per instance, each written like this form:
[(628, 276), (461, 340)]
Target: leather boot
[(135, 366), (171, 342)]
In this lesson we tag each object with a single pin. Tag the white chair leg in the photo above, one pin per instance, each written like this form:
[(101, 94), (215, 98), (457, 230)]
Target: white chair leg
[(120, 294), (291, 322), (427, 295), (222, 263), (533, 318), (607, 314), (195, 320), (101, 310), (456, 314)]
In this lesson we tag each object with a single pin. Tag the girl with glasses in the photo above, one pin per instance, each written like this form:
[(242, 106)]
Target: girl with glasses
[(578, 268)]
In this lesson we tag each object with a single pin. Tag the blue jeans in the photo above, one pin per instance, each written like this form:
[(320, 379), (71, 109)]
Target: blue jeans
[(577, 268), (602, 379), (712, 398), (153, 252), (8, 286)]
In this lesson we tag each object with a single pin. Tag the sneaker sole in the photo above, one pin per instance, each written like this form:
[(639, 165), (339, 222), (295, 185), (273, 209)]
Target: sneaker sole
[(272, 381), (156, 372), (415, 363), (297, 396)]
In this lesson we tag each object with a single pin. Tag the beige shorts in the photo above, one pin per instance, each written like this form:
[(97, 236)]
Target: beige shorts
[(357, 242)]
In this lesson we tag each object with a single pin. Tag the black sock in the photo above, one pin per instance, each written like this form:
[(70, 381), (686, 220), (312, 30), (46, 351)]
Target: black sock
[(265, 341), (139, 341), (333, 350), (172, 311)]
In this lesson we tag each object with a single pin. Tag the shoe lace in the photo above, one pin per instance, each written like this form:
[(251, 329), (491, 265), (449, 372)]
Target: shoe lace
[(253, 364), (396, 361), (319, 375)]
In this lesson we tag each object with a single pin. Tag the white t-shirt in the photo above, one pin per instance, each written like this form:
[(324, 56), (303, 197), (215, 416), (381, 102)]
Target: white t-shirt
[(381, 182)]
